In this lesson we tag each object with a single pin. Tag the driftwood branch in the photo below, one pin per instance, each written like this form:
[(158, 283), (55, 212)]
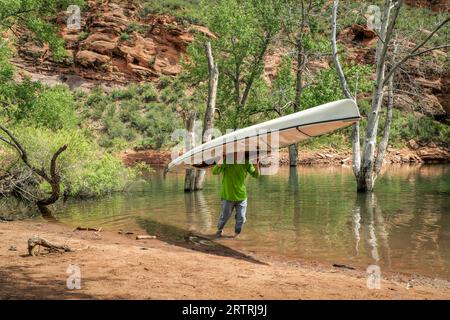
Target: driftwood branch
[(35, 242), (87, 229), (53, 178), (145, 237)]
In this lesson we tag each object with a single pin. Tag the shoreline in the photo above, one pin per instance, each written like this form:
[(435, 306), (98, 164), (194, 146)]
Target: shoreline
[(413, 154), (118, 266)]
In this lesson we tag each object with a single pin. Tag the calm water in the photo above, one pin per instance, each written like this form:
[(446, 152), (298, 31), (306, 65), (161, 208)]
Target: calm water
[(314, 214)]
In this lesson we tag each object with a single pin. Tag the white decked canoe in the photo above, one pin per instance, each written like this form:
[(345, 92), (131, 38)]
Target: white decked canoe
[(273, 134)]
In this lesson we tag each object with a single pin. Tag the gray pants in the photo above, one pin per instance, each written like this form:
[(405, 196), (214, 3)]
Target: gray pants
[(226, 211)]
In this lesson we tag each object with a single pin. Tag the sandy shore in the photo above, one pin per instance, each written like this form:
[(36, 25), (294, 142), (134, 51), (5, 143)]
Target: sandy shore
[(118, 266)]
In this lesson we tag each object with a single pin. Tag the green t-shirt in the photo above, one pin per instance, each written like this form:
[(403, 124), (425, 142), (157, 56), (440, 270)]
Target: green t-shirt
[(233, 181)]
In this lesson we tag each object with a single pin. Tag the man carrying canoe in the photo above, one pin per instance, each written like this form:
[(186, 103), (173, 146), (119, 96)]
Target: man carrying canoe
[(234, 193)]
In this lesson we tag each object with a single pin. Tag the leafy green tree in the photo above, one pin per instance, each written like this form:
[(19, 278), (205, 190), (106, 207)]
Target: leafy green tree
[(83, 168), (37, 104), (301, 25), (280, 97), (244, 31), (38, 17)]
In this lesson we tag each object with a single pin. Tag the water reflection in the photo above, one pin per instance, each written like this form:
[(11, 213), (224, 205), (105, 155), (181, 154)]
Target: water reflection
[(368, 212), (310, 213), (198, 212), (294, 188), (356, 219)]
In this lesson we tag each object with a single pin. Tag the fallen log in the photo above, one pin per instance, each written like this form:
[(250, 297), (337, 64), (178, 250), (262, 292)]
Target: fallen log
[(145, 237), (343, 266), (35, 241), (125, 232), (87, 229)]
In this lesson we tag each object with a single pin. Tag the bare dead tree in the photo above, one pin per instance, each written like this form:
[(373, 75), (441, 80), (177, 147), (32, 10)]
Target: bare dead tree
[(189, 121), (356, 162), (367, 171), (208, 121), (52, 177), (382, 147)]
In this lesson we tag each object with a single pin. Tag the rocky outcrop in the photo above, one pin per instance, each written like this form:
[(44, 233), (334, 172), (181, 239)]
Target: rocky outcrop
[(144, 48), (151, 157), (417, 152), (360, 42), (434, 154), (91, 59), (115, 43)]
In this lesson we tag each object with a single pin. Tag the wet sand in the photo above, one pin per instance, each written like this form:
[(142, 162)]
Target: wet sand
[(118, 266)]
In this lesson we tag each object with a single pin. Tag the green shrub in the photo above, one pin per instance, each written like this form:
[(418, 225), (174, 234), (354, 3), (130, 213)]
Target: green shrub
[(52, 107), (139, 122), (146, 144), (124, 36), (326, 87), (122, 94), (162, 124), (134, 26), (96, 97), (113, 145), (164, 82), (55, 109), (422, 129), (85, 169), (185, 11), (99, 177), (114, 127), (6, 68), (148, 93), (133, 114), (130, 106), (83, 36)]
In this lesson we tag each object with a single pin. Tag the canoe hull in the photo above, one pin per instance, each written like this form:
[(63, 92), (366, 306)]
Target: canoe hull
[(267, 137)]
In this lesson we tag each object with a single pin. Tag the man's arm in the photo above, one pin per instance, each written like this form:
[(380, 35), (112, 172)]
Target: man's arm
[(217, 169), (254, 170)]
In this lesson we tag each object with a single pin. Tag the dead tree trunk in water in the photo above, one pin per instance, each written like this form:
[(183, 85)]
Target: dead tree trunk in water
[(355, 129), (293, 148), (189, 179), (53, 179), (208, 122), (387, 123)]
